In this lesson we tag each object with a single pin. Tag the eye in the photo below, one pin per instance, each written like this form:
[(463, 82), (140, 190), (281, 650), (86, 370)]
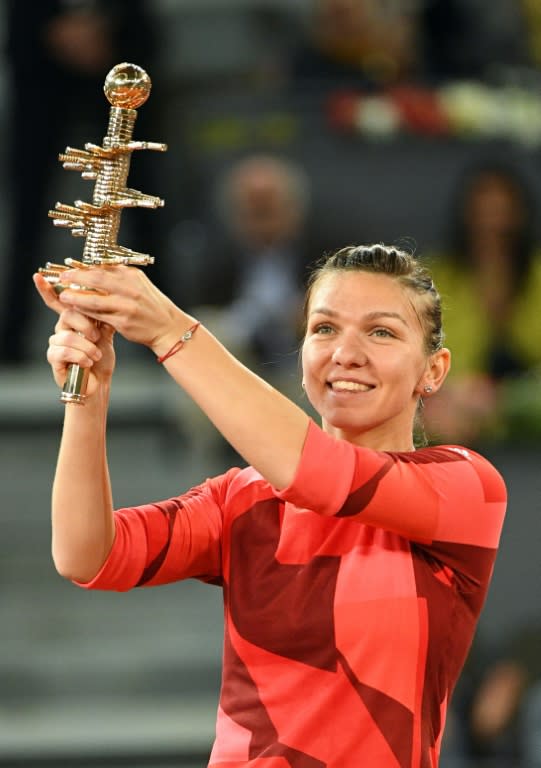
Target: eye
[(383, 333), (323, 329)]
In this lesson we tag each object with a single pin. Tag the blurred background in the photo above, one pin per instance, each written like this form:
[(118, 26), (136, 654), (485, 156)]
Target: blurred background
[(293, 126)]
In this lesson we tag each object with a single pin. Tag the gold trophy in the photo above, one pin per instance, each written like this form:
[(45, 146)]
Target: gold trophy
[(127, 86)]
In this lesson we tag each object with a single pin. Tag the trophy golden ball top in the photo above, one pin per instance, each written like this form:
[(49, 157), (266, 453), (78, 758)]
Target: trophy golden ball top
[(127, 86)]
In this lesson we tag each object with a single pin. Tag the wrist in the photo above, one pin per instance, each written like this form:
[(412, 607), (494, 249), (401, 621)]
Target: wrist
[(91, 416), (179, 333)]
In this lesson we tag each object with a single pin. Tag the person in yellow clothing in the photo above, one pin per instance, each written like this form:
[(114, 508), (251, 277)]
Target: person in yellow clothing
[(490, 281)]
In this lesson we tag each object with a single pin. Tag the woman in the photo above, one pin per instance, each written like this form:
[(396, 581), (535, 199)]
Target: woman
[(354, 567), (490, 281)]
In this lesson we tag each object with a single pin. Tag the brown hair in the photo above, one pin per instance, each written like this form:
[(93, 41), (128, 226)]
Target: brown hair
[(387, 260)]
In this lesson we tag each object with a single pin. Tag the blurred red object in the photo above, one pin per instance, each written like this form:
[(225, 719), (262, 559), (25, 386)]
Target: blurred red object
[(341, 109), (419, 110)]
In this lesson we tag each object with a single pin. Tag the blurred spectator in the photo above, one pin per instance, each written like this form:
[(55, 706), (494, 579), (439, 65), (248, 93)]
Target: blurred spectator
[(362, 44), (490, 281), (251, 280), (58, 54), (375, 44), (505, 713)]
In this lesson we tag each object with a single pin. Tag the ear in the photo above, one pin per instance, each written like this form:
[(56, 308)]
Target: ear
[(437, 368)]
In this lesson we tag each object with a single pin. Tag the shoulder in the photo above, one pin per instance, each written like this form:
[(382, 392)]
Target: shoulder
[(465, 460)]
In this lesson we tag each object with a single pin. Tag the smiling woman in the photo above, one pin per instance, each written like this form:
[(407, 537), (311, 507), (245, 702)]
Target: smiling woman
[(373, 325), (337, 546)]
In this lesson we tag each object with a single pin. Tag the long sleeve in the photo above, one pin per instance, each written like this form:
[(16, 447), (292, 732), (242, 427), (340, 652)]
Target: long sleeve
[(431, 497), (167, 541)]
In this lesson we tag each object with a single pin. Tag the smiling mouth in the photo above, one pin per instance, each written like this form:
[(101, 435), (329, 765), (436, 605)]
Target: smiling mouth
[(349, 386)]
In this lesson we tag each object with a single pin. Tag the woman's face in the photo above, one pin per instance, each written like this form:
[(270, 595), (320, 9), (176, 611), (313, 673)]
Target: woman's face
[(494, 207), (363, 358)]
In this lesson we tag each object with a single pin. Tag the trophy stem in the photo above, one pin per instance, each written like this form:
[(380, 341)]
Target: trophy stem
[(120, 128)]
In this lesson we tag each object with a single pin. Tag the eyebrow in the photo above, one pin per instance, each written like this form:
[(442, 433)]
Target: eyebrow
[(376, 315)]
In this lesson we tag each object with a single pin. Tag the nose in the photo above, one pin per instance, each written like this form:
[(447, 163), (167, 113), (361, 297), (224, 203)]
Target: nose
[(349, 351)]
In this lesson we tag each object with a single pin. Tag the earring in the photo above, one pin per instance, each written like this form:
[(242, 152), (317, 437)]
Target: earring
[(427, 388)]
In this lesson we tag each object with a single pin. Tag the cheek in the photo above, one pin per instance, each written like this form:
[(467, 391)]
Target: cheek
[(408, 373), (305, 362), (309, 366)]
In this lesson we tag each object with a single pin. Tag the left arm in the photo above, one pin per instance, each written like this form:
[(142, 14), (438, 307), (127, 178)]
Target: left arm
[(436, 496)]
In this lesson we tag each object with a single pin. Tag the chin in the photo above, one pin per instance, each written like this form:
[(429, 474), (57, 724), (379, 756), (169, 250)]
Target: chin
[(355, 424), (349, 426)]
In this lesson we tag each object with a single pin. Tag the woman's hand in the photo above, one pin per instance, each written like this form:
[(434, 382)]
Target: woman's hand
[(77, 340), (127, 301)]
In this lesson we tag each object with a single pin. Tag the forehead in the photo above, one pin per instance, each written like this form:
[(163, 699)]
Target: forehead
[(362, 292)]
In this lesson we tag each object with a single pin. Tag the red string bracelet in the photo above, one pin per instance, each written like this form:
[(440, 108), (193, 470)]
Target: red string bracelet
[(180, 343)]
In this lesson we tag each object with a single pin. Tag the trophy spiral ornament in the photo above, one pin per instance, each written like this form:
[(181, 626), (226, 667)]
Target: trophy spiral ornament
[(127, 87)]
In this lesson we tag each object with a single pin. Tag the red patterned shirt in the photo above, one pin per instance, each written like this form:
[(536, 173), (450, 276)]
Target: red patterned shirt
[(351, 597)]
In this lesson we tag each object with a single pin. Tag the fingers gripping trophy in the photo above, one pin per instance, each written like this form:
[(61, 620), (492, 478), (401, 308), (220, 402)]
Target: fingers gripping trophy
[(127, 87)]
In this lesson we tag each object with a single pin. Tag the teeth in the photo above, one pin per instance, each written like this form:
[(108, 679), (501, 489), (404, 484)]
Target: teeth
[(352, 386)]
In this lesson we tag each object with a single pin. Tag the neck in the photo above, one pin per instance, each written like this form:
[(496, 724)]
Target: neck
[(376, 439)]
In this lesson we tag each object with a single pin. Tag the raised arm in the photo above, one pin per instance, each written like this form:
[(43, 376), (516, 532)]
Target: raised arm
[(82, 507), (261, 424)]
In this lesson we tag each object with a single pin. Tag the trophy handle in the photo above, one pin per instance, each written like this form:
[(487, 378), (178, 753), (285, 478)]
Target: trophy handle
[(74, 389)]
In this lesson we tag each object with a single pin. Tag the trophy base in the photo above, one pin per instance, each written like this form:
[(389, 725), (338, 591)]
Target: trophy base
[(70, 397)]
